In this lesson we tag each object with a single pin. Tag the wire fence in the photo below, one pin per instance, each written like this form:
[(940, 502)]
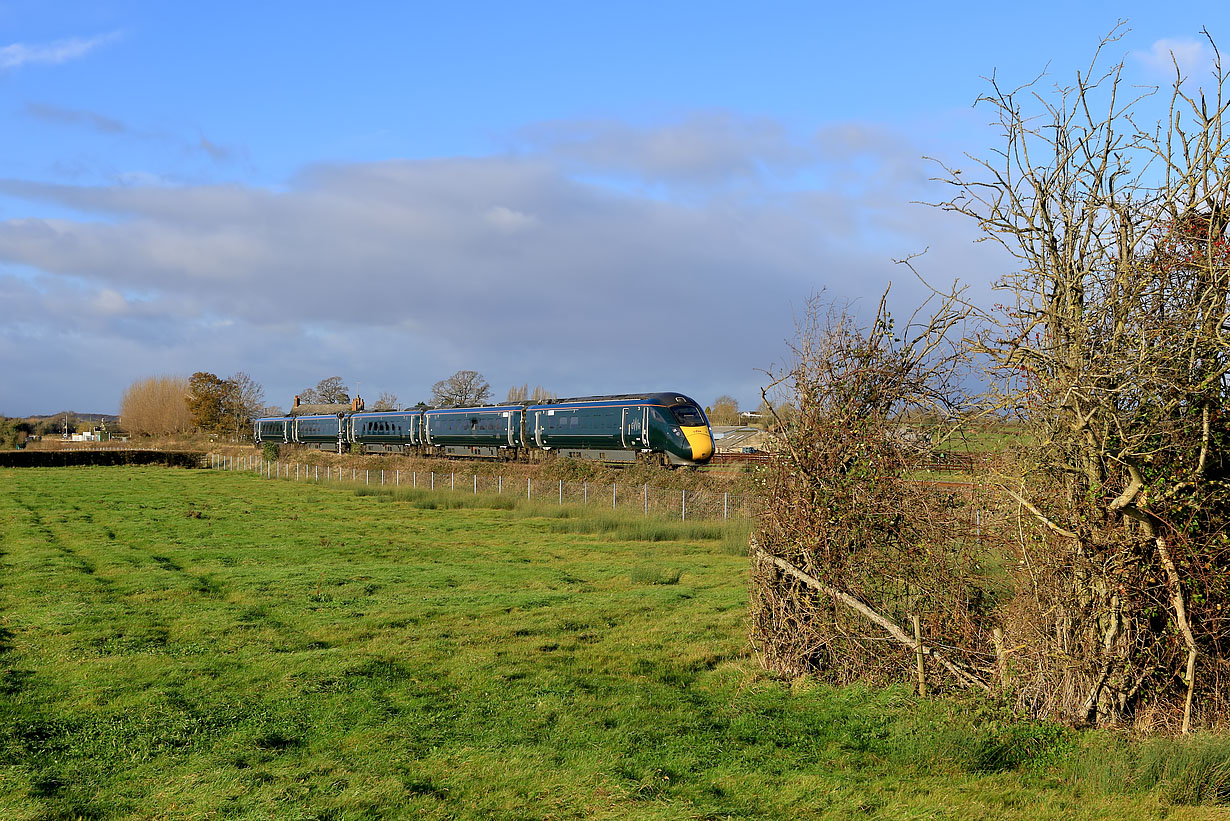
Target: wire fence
[(697, 503)]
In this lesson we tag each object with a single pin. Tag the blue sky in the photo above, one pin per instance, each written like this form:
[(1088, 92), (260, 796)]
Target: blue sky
[(595, 198)]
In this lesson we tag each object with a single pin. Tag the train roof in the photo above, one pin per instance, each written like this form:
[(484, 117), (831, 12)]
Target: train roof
[(665, 397), (662, 396)]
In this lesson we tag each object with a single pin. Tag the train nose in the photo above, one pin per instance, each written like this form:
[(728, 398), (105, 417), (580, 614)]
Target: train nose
[(701, 442)]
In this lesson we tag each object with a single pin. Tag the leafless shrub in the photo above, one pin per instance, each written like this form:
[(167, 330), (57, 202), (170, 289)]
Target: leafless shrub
[(849, 549), (1113, 348)]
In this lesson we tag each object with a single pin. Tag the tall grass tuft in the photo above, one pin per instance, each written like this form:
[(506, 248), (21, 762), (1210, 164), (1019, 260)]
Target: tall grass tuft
[(1182, 771), (736, 537), (654, 575), (638, 528)]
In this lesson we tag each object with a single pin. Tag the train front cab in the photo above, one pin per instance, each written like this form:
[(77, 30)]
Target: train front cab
[(681, 430), (618, 428)]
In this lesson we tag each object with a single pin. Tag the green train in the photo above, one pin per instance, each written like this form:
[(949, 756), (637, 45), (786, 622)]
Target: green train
[(668, 428)]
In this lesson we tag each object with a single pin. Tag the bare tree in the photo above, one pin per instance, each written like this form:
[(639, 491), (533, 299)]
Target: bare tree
[(462, 389), (725, 411), (540, 395), (523, 394), (387, 402), (1114, 349), (156, 406), (330, 390), (245, 397)]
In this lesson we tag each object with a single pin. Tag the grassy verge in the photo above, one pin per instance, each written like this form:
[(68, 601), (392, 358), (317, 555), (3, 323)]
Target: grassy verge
[(195, 644)]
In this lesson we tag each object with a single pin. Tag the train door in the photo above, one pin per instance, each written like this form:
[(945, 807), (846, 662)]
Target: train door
[(634, 428)]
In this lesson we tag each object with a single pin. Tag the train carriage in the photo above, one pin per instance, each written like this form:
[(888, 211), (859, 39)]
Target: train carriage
[(386, 432), (273, 429), (321, 431), (490, 431)]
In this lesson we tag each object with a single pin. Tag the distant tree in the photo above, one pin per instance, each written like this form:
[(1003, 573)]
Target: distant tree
[(462, 389), (725, 411), (386, 402), (245, 401), (225, 406), (207, 401), (156, 406), (524, 394), (328, 391), (8, 434), (51, 425), (776, 416), (541, 394)]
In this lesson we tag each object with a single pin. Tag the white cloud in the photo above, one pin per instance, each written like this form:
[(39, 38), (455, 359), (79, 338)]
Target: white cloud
[(1193, 57), (701, 148), (509, 220), (17, 55)]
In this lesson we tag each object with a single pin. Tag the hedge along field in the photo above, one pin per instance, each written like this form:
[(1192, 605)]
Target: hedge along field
[(196, 644)]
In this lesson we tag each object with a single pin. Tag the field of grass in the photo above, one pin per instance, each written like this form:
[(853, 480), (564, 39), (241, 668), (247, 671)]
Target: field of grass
[(198, 644)]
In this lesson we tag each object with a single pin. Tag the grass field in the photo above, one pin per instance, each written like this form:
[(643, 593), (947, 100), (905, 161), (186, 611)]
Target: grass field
[(197, 644)]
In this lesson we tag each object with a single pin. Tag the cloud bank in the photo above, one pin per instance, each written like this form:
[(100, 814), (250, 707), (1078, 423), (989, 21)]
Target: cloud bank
[(594, 258)]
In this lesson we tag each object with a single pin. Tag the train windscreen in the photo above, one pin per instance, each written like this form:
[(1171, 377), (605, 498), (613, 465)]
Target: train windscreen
[(688, 416)]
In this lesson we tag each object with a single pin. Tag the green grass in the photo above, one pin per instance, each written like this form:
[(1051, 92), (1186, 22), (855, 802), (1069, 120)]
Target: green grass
[(195, 644)]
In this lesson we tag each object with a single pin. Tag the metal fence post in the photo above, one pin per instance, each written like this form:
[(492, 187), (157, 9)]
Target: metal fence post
[(683, 516)]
